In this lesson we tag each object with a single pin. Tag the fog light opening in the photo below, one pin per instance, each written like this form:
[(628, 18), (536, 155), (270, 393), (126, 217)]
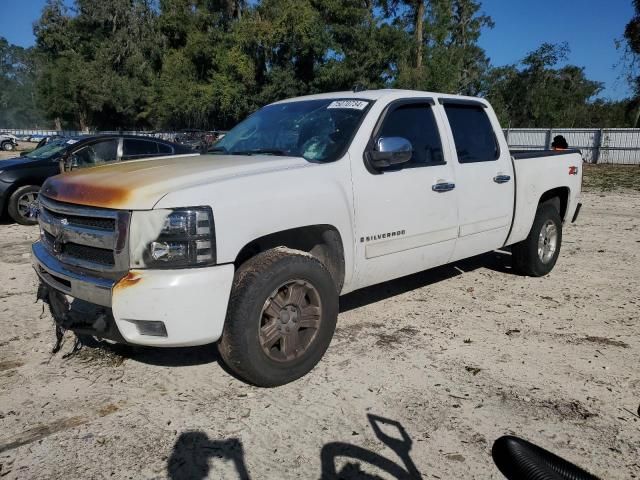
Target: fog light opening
[(151, 328)]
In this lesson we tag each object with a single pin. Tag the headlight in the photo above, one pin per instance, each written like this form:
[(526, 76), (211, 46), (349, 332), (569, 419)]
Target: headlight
[(177, 238)]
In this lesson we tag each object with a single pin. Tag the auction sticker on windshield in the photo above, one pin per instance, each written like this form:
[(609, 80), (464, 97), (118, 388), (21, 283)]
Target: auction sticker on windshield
[(354, 104)]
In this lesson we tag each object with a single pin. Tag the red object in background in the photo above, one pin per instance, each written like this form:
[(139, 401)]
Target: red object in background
[(573, 170)]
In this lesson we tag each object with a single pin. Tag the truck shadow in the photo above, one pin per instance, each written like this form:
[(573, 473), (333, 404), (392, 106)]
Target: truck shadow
[(165, 357), (194, 456), (498, 261)]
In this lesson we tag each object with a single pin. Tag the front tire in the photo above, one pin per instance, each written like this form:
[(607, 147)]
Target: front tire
[(23, 205), (537, 254), (281, 317), (7, 146)]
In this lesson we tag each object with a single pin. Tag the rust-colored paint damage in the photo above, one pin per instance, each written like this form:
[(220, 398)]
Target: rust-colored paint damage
[(70, 189), (140, 184), (132, 278)]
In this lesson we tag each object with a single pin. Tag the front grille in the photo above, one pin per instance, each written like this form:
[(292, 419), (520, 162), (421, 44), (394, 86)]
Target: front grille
[(89, 254), (92, 239), (101, 256), (99, 223)]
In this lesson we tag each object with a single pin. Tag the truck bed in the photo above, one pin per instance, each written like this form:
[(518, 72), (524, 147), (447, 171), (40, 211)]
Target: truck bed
[(538, 172), (523, 154)]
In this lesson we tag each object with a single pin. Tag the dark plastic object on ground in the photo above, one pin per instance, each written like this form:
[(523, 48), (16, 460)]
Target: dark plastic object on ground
[(518, 459)]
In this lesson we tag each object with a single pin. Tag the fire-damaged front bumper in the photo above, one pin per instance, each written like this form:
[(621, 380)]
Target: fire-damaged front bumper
[(164, 308)]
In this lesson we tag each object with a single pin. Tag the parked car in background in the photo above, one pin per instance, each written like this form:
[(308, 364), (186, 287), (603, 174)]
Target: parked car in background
[(48, 139), (36, 137), (21, 178), (8, 141), (198, 139)]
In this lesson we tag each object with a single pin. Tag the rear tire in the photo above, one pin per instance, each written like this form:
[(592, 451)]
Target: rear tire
[(281, 317), (537, 254), (7, 146), (21, 206)]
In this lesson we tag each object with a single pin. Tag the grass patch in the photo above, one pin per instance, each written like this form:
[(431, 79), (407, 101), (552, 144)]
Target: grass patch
[(607, 178)]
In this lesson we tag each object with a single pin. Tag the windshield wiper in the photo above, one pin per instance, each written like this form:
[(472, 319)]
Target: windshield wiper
[(260, 151)]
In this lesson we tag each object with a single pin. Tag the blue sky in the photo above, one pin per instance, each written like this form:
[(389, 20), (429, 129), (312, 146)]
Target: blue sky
[(589, 26)]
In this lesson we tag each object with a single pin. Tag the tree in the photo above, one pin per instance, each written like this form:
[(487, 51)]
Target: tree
[(18, 104), (207, 78), (97, 66), (361, 50), (450, 59), (631, 61), (537, 93), (209, 63)]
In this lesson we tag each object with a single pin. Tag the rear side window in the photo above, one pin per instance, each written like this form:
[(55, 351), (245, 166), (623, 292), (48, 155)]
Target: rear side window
[(472, 133), (135, 148), (416, 123)]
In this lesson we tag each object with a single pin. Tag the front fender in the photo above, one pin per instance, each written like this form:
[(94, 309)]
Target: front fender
[(249, 207)]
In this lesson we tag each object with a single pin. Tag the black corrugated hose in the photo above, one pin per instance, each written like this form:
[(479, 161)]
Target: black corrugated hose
[(518, 459)]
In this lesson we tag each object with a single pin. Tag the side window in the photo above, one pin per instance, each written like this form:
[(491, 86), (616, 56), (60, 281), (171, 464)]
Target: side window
[(416, 123), (164, 149), (472, 133), (134, 148), (96, 153)]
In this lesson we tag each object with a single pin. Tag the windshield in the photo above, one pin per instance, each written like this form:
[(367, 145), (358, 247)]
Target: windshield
[(318, 130), (49, 150)]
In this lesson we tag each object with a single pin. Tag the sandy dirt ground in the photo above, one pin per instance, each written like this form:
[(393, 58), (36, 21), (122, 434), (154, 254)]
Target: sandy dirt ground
[(423, 374)]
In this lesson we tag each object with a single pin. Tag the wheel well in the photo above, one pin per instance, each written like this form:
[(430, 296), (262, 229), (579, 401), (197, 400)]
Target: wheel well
[(558, 197), (322, 241)]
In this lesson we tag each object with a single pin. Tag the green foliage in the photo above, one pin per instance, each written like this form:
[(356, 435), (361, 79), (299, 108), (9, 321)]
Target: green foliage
[(18, 106), (630, 62), (539, 93), (209, 63)]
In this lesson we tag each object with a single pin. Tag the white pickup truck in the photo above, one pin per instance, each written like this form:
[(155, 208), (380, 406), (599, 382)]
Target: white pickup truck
[(309, 198)]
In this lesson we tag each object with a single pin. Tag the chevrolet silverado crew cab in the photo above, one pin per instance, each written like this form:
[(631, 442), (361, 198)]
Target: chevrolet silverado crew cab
[(309, 198)]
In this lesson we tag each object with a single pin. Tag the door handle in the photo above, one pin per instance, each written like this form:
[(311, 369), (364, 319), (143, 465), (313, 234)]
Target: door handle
[(501, 178), (443, 187)]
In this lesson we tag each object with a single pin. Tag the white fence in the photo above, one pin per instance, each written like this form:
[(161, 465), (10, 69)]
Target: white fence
[(606, 145)]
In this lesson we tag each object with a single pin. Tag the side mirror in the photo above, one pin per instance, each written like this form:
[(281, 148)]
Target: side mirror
[(391, 151)]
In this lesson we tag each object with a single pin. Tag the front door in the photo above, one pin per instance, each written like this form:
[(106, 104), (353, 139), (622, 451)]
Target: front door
[(406, 216), (104, 150)]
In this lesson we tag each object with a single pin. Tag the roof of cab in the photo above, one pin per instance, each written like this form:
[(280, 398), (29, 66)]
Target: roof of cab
[(379, 94)]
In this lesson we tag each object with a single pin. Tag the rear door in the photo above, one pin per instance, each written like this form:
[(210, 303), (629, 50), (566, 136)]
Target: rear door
[(484, 177), (406, 216)]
